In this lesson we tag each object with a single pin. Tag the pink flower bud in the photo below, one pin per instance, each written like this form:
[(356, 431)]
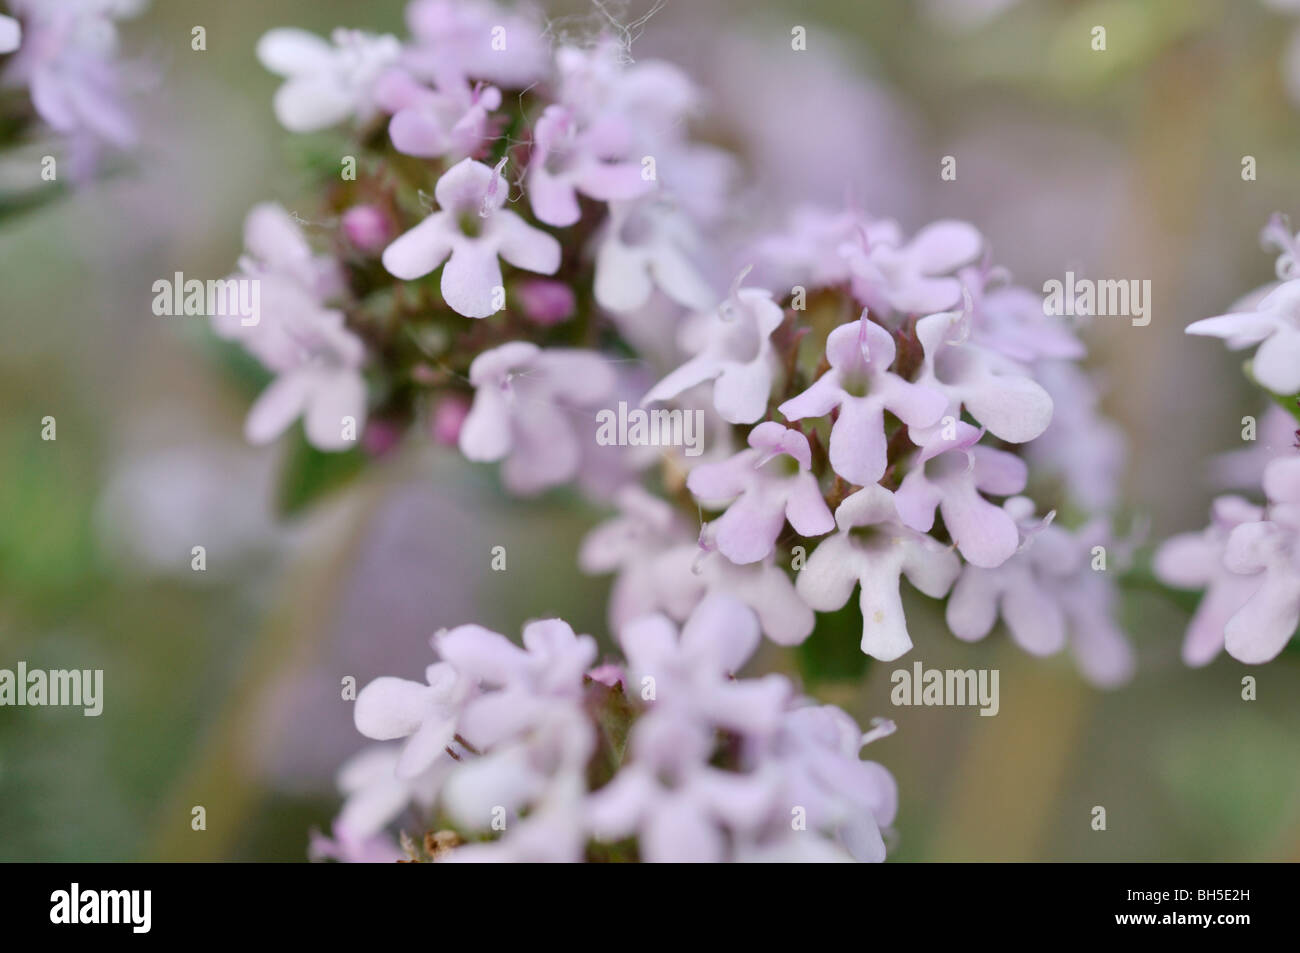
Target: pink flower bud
[(545, 302), (380, 437), (367, 227), (607, 674), (448, 416)]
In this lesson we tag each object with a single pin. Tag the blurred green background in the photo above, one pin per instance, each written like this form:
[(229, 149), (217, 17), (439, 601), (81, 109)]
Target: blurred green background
[(222, 687)]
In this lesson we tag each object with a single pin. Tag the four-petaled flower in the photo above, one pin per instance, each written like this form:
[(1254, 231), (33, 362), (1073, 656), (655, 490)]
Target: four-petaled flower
[(527, 405), (875, 549), (732, 348), (861, 385), (326, 84), (762, 500), (950, 473), (469, 230)]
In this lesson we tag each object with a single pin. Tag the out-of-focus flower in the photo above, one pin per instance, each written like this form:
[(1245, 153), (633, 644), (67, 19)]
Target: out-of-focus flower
[(912, 278), (661, 568), (732, 348), (1056, 589), (816, 751), (1275, 326), (527, 406), (647, 245), (1010, 320), (11, 34), (567, 160), (1196, 561), (456, 40), (678, 806), (66, 55), (1268, 552), (793, 758), (1277, 434), (693, 674), (1082, 447), (316, 358), (451, 121), (375, 794), (326, 82)]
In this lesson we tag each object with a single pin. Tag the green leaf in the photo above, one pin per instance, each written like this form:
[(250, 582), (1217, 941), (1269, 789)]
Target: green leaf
[(1141, 577), (29, 200), (832, 653), (310, 474)]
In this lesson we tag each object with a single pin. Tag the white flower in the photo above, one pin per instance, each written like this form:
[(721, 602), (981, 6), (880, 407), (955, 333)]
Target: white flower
[(1274, 324), (11, 34), (733, 349), (326, 84), (647, 245)]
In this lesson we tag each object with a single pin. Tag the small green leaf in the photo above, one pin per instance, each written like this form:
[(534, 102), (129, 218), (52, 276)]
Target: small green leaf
[(833, 653), (310, 474), (29, 200)]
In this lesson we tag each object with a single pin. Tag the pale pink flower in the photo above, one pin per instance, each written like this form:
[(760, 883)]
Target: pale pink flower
[(469, 231), (326, 82), (998, 392), (861, 385), (913, 278), (1274, 324), (874, 549), (1196, 561), (533, 409), (732, 348), (568, 158), (950, 475), (648, 244), (761, 496)]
